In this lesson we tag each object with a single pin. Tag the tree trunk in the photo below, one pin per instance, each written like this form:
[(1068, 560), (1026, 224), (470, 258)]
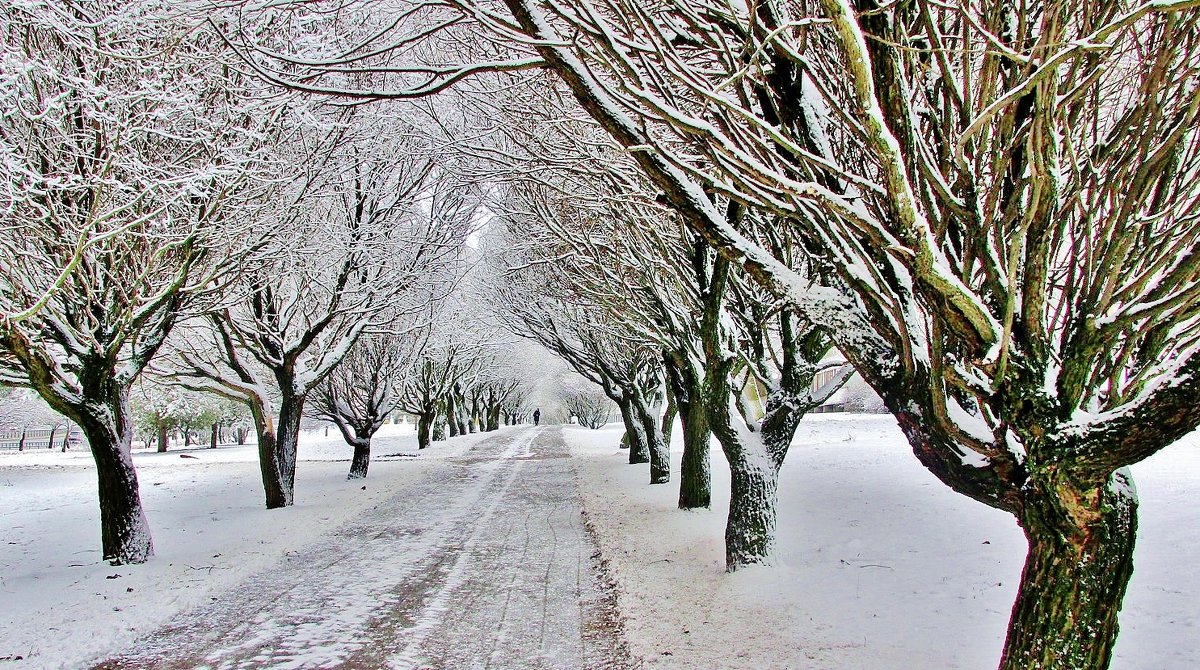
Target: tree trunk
[(461, 416), (162, 438), (695, 470), (242, 433), (1079, 564), (750, 529), (21, 444), (493, 418), (424, 429), (277, 454), (215, 436), (635, 433), (451, 412), (187, 438), (50, 441), (124, 530), (667, 425), (66, 438), (656, 448), (362, 456)]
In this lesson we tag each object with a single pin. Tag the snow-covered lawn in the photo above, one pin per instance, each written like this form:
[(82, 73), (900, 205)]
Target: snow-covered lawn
[(60, 606), (880, 565)]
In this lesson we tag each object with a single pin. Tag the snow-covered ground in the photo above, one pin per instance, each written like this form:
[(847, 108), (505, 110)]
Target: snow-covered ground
[(880, 565), (60, 606)]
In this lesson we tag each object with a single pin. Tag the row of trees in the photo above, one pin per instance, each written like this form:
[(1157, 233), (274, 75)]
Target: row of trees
[(989, 209), (166, 212)]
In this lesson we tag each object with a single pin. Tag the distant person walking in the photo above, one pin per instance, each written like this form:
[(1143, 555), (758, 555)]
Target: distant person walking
[(537, 416)]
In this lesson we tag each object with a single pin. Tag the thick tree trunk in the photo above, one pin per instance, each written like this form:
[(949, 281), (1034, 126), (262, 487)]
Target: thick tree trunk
[(241, 436), (163, 438), (695, 469), (362, 456), (1079, 564), (124, 530), (635, 433), (461, 417), (187, 438), (493, 418), (277, 454), (750, 530), (424, 429), (660, 454), (215, 436)]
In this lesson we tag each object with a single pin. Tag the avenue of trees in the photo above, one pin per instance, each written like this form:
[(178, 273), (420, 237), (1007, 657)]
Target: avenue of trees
[(990, 210)]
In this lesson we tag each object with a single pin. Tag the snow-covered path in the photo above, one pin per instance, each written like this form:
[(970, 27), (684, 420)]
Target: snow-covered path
[(487, 564)]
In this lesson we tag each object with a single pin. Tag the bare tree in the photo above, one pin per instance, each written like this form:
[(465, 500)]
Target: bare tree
[(364, 390), (589, 406), (123, 167), (374, 235)]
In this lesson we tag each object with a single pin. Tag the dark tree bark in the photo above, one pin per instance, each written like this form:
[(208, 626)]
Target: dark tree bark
[(163, 438), (670, 413), (241, 434), (425, 429), (214, 436), (695, 470), (452, 414), (362, 455), (50, 440), (1080, 559), (124, 530), (475, 414), (277, 452), (635, 432), (657, 450), (21, 443)]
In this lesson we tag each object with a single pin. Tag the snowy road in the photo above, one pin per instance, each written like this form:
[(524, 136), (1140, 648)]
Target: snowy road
[(485, 565)]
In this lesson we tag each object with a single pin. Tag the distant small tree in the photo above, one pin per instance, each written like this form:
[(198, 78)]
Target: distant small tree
[(590, 407), (365, 389)]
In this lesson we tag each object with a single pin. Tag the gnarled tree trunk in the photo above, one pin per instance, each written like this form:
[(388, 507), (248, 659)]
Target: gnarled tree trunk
[(425, 428), (635, 433), (1079, 563), (124, 530), (362, 455), (277, 453), (695, 470), (656, 448)]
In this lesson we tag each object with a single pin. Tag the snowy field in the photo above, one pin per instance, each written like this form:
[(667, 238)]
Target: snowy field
[(60, 606), (880, 565)]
